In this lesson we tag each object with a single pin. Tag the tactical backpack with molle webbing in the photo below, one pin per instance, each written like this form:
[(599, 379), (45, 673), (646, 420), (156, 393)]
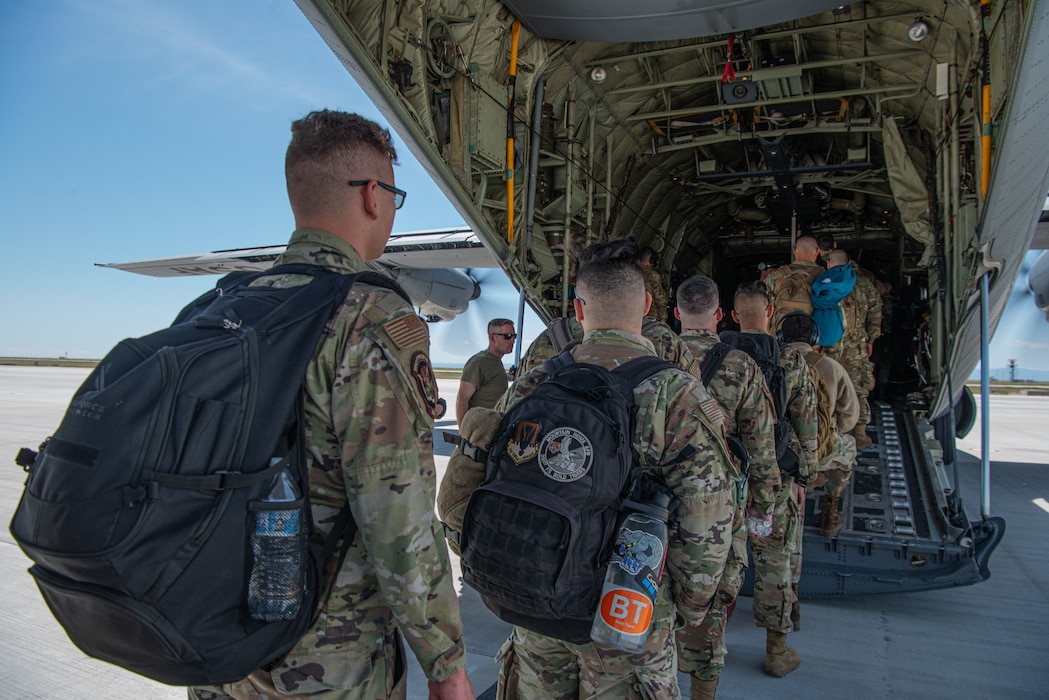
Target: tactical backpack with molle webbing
[(137, 512), (537, 533)]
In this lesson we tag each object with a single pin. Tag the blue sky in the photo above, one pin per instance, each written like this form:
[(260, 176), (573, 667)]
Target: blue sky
[(135, 129), (1022, 333)]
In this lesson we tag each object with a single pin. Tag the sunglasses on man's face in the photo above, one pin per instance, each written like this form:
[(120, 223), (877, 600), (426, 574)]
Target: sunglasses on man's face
[(508, 336)]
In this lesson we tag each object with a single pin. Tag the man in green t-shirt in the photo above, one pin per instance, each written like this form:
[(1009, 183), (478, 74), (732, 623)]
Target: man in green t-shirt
[(484, 379)]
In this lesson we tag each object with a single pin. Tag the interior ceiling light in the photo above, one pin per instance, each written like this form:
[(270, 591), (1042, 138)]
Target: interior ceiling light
[(918, 31), (598, 75)]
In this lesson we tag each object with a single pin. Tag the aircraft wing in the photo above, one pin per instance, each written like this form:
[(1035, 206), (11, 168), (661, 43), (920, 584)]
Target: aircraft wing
[(432, 249), (428, 265), (219, 262)]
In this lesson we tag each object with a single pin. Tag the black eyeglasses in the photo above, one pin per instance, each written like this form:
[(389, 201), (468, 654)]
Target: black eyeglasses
[(398, 195), (508, 336)]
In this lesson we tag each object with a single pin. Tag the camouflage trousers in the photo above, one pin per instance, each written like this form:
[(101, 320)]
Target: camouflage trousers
[(317, 681), (777, 560), (838, 464), (701, 648), (534, 667), (852, 354)]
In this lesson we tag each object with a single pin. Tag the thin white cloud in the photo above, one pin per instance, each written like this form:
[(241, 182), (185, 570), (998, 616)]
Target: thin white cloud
[(197, 57), (1031, 345)]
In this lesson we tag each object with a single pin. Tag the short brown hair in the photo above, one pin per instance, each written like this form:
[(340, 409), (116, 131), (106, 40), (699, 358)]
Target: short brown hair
[(327, 150), (698, 296)]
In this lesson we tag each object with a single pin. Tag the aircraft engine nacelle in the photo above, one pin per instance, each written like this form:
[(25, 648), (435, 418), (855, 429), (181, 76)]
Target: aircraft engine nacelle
[(439, 294), (1038, 280)]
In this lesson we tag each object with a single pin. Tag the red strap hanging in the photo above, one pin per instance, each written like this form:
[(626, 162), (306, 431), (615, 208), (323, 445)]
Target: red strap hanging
[(729, 72)]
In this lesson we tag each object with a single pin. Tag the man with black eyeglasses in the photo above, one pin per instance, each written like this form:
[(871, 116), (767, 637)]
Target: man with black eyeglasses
[(484, 378), (370, 401)]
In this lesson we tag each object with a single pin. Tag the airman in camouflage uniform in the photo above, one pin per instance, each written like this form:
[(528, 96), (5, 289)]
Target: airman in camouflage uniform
[(370, 401), (789, 286), (836, 467), (888, 303), (668, 424), (667, 343), (861, 310), (654, 284), (777, 559), (740, 390)]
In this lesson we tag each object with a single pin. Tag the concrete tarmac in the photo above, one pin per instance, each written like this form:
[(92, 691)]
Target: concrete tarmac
[(982, 641)]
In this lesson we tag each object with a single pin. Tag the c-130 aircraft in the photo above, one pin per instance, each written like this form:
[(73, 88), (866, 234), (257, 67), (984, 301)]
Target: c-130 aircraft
[(717, 133)]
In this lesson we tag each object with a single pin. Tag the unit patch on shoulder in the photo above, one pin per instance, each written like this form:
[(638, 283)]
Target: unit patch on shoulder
[(524, 445), (407, 330), (422, 372), (566, 454)]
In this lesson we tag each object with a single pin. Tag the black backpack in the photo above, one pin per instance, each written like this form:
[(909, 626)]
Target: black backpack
[(764, 349), (538, 532), (136, 511)]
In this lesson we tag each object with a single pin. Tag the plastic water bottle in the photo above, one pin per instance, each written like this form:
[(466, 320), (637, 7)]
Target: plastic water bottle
[(628, 596), (278, 552)]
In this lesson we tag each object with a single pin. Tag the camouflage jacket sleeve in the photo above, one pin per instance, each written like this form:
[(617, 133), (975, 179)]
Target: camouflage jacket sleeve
[(669, 424), (755, 424), (383, 397), (872, 299), (669, 345), (543, 347), (541, 350), (521, 387), (801, 409)]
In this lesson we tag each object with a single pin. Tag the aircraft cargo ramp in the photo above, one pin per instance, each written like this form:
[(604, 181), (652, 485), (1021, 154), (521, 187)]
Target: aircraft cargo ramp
[(904, 528)]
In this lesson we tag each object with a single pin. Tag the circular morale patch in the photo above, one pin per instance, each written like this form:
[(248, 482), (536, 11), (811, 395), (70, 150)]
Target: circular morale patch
[(422, 372), (565, 454)]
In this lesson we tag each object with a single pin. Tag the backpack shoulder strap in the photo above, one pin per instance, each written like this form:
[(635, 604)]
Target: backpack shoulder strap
[(712, 362), (557, 362), (774, 349), (813, 358), (561, 334), (635, 371), (761, 346), (343, 282), (632, 373), (374, 278), (728, 337)]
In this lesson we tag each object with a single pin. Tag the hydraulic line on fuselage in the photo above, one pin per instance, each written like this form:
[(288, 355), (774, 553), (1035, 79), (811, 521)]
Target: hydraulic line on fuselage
[(985, 99), (511, 90)]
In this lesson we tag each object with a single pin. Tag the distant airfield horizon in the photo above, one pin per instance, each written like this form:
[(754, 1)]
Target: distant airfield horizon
[(1001, 375)]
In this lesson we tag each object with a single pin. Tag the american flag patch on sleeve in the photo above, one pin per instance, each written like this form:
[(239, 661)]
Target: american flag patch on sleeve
[(407, 331)]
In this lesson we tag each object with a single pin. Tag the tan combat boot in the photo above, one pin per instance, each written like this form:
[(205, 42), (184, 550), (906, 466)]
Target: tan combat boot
[(830, 518), (779, 658), (863, 441), (703, 689)]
